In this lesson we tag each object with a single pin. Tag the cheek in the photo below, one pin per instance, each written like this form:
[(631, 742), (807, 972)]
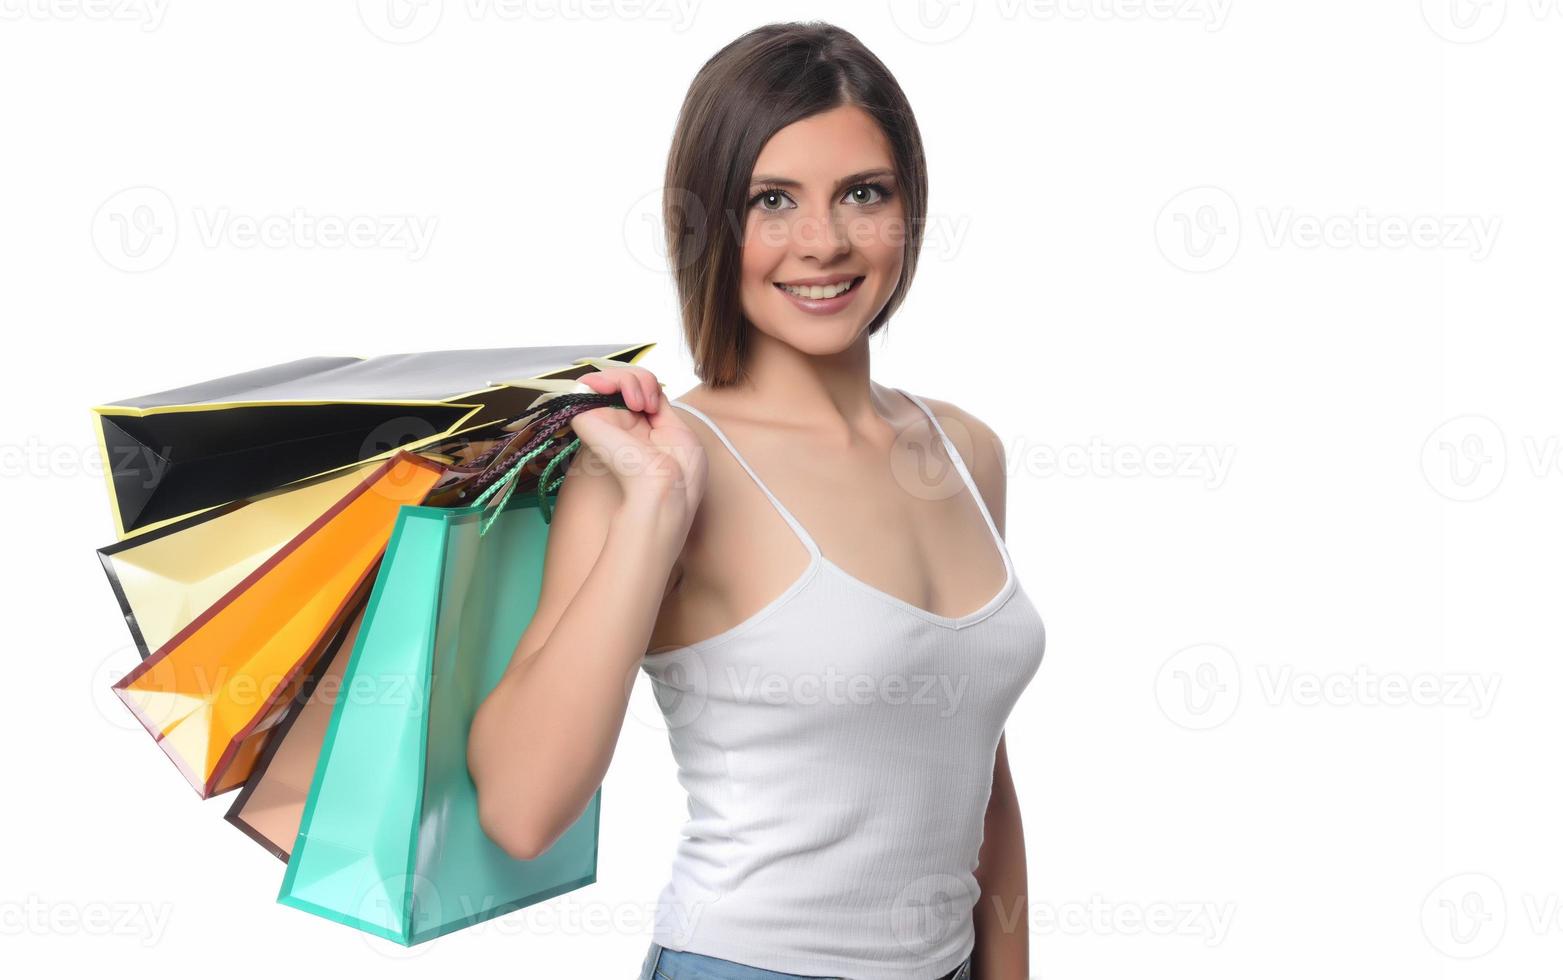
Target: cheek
[(761, 253), (886, 256), (882, 242)]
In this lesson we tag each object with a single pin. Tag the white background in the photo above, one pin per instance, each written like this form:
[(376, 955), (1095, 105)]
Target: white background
[(1262, 298)]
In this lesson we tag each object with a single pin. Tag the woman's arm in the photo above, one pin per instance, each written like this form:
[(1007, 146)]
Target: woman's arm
[(1002, 917), (541, 742)]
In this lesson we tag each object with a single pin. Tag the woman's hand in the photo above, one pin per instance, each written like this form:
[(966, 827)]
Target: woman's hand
[(649, 449)]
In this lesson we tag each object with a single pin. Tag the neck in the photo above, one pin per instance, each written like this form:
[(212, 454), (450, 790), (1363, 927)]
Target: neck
[(831, 393)]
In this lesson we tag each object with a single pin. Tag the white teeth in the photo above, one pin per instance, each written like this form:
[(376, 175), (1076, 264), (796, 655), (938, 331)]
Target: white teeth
[(818, 292)]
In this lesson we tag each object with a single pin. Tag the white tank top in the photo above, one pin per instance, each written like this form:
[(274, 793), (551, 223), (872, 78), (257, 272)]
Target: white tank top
[(837, 748)]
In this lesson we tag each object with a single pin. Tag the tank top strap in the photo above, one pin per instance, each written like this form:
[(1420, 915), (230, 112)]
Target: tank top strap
[(965, 474), (793, 522)]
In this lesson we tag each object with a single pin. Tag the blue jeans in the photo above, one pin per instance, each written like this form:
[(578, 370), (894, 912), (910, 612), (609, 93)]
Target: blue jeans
[(671, 964)]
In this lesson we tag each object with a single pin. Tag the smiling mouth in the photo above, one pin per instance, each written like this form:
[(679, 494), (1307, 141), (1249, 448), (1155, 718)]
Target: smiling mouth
[(821, 292)]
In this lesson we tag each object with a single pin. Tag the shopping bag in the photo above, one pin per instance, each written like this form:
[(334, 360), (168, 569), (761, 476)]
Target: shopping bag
[(271, 803), (175, 453), (165, 578), (390, 841), (214, 691)]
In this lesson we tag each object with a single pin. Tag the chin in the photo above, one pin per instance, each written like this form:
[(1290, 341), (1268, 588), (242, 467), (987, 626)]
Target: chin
[(821, 339)]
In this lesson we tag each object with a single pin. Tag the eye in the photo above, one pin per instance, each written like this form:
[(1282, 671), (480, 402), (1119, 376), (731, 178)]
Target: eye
[(880, 191), (768, 195), (773, 199)]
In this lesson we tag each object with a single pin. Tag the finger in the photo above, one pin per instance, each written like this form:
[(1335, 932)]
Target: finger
[(644, 402), (613, 380), (601, 431), (666, 418)]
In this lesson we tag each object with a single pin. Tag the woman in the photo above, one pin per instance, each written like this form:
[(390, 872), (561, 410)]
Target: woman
[(835, 671)]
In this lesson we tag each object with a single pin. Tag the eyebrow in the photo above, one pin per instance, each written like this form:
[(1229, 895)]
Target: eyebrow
[(856, 178)]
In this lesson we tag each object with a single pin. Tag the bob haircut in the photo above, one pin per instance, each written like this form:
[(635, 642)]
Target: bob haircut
[(758, 84)]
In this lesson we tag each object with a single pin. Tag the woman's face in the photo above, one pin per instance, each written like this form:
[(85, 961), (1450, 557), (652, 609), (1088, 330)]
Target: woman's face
[(824, 214)]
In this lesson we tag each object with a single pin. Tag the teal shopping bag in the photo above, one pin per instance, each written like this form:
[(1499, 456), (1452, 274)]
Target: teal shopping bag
[(390, 841)]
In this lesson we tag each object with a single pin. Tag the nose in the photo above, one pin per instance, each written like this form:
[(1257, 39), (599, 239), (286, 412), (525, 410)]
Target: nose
[(821, 235)]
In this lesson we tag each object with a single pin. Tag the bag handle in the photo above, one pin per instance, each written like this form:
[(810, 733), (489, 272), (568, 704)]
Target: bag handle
[(506, 483)]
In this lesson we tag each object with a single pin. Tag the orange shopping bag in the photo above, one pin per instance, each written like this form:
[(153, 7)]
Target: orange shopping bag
[(214, 692), (271, 805)]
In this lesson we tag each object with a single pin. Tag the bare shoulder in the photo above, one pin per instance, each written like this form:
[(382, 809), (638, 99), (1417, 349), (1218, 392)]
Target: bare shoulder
[(980, 448), (695, 411)]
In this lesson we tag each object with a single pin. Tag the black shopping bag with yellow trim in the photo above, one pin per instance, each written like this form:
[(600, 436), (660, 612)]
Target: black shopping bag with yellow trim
[(179, 452)]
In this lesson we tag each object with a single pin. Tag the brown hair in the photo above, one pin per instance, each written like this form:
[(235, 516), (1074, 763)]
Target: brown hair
[(757, 84)]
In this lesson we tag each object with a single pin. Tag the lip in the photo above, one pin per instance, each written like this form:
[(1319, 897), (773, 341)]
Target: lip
[(822, 307)]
